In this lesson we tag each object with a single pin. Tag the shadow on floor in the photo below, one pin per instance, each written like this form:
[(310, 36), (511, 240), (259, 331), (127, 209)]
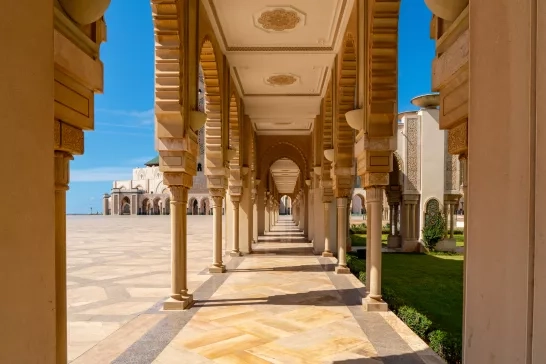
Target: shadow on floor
[(342, 297), (419, 357)]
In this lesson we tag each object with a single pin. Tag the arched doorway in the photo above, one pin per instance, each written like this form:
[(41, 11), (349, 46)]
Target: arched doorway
[(144, 208), (286, 205), (195, 207), (125, 206), (358, 205), (204, 206), (156, 206), (167, 206)]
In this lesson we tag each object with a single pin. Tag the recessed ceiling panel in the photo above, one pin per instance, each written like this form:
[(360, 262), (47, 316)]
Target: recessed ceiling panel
[(272, 23)]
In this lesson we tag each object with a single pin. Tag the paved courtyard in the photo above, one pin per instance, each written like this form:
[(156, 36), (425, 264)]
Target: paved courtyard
[(279, 305)]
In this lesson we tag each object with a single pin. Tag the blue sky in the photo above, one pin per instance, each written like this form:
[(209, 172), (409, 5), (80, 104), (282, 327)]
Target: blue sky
[(124, 122)]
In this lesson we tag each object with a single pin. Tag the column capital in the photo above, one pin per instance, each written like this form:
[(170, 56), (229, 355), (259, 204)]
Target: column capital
[(235, 190), (62, 170), (374, 194), (179, 194), (217, 192), (235, 201)]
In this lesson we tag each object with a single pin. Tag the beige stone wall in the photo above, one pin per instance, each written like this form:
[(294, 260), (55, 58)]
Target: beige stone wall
[(27, 225)]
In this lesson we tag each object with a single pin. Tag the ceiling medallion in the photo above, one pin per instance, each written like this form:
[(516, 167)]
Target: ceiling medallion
[(279, 20), (281, 80)]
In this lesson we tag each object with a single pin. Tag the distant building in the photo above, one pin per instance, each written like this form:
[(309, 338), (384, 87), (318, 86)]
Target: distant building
[(145, 193)]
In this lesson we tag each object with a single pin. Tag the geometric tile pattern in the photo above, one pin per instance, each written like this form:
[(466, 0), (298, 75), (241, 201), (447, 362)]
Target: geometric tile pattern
[(279, 305), (119, 267)]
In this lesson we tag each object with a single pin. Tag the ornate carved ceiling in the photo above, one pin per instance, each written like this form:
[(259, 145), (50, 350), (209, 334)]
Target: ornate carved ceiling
[(281, 55)]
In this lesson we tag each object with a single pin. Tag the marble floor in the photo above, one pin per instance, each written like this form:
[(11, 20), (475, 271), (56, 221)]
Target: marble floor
[(281, 304)]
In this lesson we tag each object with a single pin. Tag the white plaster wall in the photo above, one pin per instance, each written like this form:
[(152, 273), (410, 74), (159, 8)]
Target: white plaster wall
[(432, 160)]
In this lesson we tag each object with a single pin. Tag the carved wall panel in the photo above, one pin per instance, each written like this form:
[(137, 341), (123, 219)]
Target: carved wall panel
[(412, 181)]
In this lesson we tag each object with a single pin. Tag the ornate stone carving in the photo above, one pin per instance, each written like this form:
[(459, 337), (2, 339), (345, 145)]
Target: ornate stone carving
[(457, 139), (177, 179), (179, 194), (451, 172), (217, 192), (62, 170), (279, 20), (281, 80), (412, 153), (376, 179), (68, 138), (374, 194)]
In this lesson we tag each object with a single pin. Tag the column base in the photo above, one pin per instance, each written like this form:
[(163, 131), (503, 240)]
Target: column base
[(327, 254), (394, 241), (177, 305), (411, 246), (446, 245), (215, 269), (342, 270), (372, 305), (235, 254)]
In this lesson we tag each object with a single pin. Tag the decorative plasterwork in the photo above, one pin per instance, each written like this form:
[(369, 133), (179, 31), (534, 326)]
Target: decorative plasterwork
[(457, 140), (412, 182), (279, 19), (281, 80), (319, 89), (451, 171)]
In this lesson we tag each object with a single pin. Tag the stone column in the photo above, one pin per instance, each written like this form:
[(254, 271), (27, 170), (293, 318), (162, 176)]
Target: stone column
[(452, 219), (180, 298), (374, 196), (235, 233), (395, 220), (341, 267), (327, 252), (62, 177), (217, 196)]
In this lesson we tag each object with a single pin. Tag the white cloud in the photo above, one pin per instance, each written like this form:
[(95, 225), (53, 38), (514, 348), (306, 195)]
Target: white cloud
[(100, 174)]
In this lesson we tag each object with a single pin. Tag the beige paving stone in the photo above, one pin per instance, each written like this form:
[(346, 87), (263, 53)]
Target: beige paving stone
[(85, 295), (270, 309)]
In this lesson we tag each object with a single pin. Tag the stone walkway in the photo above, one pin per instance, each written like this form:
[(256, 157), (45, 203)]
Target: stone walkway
[(279, 305)]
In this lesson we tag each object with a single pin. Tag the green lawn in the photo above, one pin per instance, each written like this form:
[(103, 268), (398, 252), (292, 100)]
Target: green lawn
[(432, 283), (459, 239), (360, 239)]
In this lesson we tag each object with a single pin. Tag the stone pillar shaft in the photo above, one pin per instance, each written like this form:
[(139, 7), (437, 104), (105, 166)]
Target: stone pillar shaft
[(327, 252), (235, 252), (341, 267), (62, 173), (180, 298), (375, 198), (217, 264)]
